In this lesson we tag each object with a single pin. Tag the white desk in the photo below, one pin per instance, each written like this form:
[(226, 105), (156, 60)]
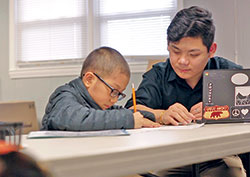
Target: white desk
[(138, 153)]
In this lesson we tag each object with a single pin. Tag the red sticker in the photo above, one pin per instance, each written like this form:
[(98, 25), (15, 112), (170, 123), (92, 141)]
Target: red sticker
[(216, 112)]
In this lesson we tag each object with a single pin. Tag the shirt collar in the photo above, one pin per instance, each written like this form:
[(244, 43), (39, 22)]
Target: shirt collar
[(172, 74), (208, 66)]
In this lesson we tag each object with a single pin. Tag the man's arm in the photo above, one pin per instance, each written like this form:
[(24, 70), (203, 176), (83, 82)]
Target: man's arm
[(174, 115), (149, 92), (149, 97)]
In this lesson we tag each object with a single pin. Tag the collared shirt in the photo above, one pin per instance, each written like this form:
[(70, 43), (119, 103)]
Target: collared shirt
[(161, 87)]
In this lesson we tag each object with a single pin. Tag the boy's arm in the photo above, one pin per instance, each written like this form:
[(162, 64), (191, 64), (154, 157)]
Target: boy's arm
[(157, 112), (143, 122), (65, 112)]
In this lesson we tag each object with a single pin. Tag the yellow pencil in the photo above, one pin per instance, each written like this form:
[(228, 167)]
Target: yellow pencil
[(134, 98)]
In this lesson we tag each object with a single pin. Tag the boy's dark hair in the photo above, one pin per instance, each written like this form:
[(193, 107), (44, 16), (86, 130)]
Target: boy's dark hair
[(192, 22), (104, 61)]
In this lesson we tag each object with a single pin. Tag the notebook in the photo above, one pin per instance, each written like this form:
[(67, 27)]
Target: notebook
[(226, 96), (20, 111)]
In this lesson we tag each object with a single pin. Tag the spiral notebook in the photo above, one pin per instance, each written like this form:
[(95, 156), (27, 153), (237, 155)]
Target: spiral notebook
[(226, 96)]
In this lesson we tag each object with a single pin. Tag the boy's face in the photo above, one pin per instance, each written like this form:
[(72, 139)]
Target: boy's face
[(188, 57), (100, 92)]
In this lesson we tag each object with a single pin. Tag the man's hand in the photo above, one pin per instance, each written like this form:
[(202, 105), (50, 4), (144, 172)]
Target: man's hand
[(196, 110), (177, 114)]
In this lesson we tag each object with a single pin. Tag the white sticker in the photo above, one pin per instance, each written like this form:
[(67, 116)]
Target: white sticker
[(244, 111), (239, 78)]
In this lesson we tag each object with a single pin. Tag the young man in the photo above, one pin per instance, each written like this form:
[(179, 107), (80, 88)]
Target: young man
[(172, 90), (87, 102)]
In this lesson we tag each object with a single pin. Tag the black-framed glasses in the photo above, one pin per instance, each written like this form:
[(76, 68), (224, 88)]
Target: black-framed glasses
[(114, 92)]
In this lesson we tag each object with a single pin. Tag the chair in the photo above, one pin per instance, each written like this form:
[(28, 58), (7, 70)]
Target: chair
[(20, 111), (195, 170), (154, 61), (245, 157)]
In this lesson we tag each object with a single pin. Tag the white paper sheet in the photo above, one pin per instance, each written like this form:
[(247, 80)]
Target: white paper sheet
[(62, 134), (167, 127)]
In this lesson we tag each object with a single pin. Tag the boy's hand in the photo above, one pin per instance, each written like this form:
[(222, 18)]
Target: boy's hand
[(150, 124), (196, 110), (176, 114), (146, 114), (140, 121)]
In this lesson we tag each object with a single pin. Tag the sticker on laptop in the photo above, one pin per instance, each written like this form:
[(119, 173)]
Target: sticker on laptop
[(242, 96), (239, 79), (240, 112), (216, 112)]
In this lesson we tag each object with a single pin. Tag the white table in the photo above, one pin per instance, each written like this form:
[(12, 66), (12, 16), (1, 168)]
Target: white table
[(139, 152)]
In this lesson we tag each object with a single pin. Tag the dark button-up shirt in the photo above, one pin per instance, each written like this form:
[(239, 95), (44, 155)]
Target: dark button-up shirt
[(161, 87)]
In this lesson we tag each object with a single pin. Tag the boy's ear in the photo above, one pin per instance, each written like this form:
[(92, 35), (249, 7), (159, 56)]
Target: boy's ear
[(88, 79)]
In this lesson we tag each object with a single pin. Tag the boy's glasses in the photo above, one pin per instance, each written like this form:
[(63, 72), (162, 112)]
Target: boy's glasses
[(114, 92)]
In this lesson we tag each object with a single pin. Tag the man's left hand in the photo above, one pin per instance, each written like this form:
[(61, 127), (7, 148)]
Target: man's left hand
[(196, 110)]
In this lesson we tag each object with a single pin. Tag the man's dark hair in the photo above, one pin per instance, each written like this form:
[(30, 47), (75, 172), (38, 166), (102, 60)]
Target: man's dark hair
[(192, 22), (104, 61)]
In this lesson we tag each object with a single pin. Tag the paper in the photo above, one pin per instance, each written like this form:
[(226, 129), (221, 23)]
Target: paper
[(167, 127), (183, 127), (63, 134)]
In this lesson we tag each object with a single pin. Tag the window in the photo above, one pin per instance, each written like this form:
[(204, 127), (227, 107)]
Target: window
[(54, 36), (46, 32)]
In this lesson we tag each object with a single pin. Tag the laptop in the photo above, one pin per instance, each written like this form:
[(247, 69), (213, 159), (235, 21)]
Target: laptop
[(226, 96), (20, 111)]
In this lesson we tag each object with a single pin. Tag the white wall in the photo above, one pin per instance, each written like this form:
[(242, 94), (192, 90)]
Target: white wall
[(232, 35), (232, 27)]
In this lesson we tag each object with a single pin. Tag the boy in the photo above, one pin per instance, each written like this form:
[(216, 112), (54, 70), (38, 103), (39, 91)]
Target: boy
[(172, 90), (87, 103)]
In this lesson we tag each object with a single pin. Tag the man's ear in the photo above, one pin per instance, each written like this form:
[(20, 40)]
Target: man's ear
[(88, 79), (212, 50), (168, 47)]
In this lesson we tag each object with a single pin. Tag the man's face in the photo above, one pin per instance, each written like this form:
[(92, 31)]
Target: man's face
[(188, 57)]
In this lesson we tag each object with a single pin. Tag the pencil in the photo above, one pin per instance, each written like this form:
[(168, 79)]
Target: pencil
[(134, 99)]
